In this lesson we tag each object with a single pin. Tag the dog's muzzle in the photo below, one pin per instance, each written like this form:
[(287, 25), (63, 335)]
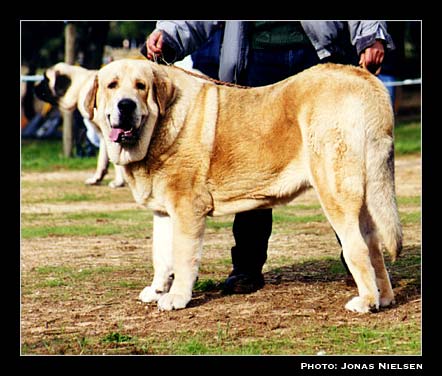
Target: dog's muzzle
[(125, 132)]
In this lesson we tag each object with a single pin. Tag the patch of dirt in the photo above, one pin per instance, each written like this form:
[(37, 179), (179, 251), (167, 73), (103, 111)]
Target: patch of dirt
[(57, 314), (408, 171)]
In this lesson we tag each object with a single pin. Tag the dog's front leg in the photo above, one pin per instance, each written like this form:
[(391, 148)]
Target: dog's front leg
[(187, 241), (162, 259)]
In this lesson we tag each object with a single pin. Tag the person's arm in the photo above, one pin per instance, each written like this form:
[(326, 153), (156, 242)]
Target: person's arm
[(176, 39), (370, 39)]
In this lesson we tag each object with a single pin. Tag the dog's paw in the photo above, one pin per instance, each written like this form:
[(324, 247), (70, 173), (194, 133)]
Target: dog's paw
[(168, 302), (361, 305), (149, 294), (92, 181), (387, 301), (116, 184)]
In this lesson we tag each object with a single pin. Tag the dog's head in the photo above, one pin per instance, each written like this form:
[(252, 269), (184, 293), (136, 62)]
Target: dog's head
[(125, 99), (62, 84)]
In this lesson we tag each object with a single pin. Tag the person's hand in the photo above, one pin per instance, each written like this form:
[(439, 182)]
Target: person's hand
[(371, 58), (154, 44)]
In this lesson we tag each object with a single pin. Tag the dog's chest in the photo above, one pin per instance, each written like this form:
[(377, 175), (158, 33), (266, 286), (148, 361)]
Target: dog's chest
[(156, 204), (145, 192)]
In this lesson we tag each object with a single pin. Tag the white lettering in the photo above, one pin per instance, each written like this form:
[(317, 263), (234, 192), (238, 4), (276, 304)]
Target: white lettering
[(357, 366), (318, 366), (400, 366)]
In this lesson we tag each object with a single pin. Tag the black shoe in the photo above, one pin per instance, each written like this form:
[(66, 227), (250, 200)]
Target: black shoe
[(242, 283)]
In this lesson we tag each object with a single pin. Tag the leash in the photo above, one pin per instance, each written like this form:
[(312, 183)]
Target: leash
[(160, 60)]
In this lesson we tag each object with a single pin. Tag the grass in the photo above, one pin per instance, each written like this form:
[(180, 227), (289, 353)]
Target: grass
[(205, 285), (404, 338), (131, 223), (408, 218), (56, 276), (69, 230), (115, 337), (137, 223), (359, 340), (47, 155), (407, 138)]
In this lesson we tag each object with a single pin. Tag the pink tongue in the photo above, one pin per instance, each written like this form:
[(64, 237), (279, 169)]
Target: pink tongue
[(115, 133)]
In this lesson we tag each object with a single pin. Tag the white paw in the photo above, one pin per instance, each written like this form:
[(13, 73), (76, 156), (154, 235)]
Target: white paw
[(92, 181), (149, 294), (361, 305), (116, 184), (170, 301)]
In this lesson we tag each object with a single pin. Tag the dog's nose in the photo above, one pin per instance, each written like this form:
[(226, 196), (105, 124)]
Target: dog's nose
[(126, 106)]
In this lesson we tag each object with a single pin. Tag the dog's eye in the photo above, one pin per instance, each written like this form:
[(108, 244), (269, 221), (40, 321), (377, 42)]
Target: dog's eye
[(140, 86), (112, 85)]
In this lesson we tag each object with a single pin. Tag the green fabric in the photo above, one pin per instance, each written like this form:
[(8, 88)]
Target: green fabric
[(277, 34)]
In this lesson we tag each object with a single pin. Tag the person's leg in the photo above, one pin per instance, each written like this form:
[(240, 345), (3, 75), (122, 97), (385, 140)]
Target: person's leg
[(251, 231)]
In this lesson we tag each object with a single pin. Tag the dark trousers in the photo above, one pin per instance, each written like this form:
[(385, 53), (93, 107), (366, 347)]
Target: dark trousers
[(252, 229)]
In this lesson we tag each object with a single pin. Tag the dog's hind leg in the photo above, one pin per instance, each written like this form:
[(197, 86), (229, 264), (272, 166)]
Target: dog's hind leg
[(102, 165), (119, 177), (376, 258), (341, 193), (382, 277), (371, 236), (357, 257), (162, 259)]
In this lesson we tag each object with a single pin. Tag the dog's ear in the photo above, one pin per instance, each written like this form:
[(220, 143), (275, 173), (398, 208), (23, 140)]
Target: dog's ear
[(163, 89), (62, 84), (87, 100)]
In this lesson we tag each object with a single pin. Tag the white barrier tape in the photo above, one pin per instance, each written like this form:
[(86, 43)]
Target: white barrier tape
[(34, 78), (415, 81)]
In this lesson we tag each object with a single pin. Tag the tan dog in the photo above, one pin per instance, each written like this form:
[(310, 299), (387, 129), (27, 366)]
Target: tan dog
[(62, 86), (191, 148)]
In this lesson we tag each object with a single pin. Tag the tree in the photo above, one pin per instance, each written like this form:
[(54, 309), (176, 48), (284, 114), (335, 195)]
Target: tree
[(135, 31), (91, 39)]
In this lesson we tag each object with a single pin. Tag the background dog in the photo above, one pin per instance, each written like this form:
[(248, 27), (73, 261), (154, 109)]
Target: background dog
[(191, 148), (62, 86)]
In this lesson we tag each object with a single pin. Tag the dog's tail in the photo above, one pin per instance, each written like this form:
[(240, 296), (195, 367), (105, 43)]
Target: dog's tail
[(380, 186)]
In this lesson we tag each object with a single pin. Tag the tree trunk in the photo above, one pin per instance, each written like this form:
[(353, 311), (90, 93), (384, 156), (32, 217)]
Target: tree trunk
[(68, 118)]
